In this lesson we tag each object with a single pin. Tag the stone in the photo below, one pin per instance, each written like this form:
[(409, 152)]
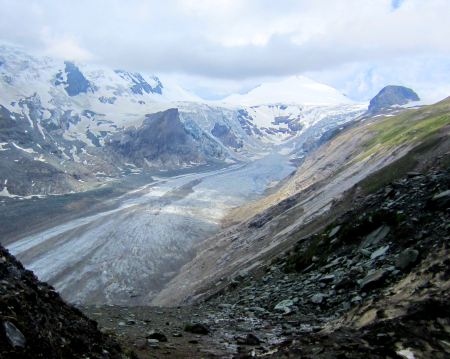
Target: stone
[(250, 339), (196, 328), (334, 231), (406, 258), (345, 283), (14, 335), (441, 200), (374, 279), (177, 335), (157, 335), (317, 298), (375, 236), (284, 306), (327, 278), (379, 252)]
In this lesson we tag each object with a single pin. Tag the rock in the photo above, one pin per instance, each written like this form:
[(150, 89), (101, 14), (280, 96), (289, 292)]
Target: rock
[(390, 96), (407, 258), (317, 298), (379, 252), (376, 236), (441, 200), (284, 306), (334, 231), (196, 328), (374, 279), (345, 283), (14, 335), (327, 278), (152, 341), (157, 335), (250, 339), (177, 335)]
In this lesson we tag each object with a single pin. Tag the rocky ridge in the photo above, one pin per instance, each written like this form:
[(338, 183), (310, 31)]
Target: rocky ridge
[(36, 323)]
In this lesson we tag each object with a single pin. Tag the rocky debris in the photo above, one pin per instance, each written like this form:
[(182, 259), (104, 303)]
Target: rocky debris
[(36, 323), (338, 302), (406, 258), (196, 328), (334, 273)]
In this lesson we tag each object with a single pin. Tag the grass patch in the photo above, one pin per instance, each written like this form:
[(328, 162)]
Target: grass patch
[(398, 168), (407, 128)]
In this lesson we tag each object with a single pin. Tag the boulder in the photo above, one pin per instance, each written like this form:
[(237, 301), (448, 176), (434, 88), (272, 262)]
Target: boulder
[(407, 258)]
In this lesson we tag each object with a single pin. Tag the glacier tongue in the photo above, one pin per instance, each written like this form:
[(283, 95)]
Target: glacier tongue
[(127, 255)]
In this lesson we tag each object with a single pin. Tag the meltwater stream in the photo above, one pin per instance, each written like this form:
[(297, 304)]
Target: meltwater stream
[(126, 255)]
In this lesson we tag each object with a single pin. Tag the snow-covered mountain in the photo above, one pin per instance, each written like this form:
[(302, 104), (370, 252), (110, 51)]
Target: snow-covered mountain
[(295, 89), (67, 126)]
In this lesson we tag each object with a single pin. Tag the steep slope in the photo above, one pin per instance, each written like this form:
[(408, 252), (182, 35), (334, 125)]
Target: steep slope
[(297, 208), (371, 281), (36, 323)]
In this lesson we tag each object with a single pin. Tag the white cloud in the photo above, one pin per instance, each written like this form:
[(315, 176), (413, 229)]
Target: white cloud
[(241, 41)]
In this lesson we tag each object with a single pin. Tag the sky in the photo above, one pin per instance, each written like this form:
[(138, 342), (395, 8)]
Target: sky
[(218, 47)]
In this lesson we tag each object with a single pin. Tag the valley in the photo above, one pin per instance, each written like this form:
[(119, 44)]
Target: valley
[(287, 221), (152, 231)]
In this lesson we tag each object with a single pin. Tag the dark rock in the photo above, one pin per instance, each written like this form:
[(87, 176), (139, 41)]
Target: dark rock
[(327, 278), (157, 335), (406, 259), (196, 328), (374, 279), (317, 298), (44, 326), (345, 283), (14, 335), (441, 200), (375, 236), (250, 339)]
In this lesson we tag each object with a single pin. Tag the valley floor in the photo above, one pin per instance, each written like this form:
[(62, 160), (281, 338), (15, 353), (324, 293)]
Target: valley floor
[(127, 253)]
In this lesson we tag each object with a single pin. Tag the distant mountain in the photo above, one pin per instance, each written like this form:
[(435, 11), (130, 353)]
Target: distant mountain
[(67, 126), (391, 96), (295, 89)]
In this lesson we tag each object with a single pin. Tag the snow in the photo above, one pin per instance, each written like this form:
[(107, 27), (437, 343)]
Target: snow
[(5, 193), (293, 90), (27, 150), (3, 145)]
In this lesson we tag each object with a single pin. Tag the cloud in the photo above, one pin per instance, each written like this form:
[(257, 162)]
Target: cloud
[(236, 40)]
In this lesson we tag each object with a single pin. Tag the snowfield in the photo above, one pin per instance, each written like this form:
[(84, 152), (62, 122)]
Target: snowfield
[(127, 255)]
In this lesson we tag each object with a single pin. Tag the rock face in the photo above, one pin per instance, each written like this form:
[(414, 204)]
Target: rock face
[(163, 138), (36, 323), (390, 96)]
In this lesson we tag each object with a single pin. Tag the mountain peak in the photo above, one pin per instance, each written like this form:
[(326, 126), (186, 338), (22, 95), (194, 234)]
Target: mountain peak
[(392, 95), (295, 89)]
